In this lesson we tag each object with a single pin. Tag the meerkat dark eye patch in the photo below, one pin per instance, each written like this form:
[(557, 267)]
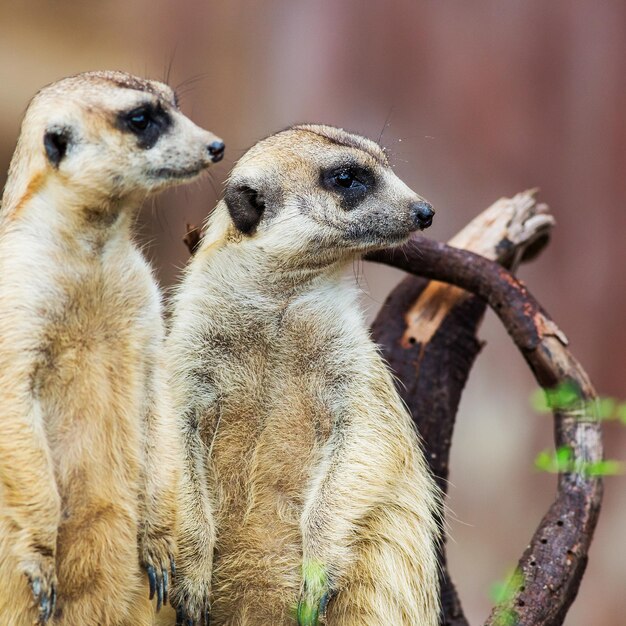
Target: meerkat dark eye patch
[(147, 122), (55, 142), (246, 207), (351, 182)]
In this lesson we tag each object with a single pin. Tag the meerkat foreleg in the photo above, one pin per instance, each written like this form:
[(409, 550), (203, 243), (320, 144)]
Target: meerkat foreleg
[(355, 473), (196, 535), (31, 504), (157, 542)]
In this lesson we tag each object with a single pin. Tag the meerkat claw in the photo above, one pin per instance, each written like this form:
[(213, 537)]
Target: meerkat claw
[(190, 614), (165, 588), (159, 592), (53, 600), (159, 598), (45, 600), (151, 580), (324, 603), (159, 585)]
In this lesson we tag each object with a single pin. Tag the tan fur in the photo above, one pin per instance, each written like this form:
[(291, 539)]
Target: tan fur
[(88, 448), (296, 439)]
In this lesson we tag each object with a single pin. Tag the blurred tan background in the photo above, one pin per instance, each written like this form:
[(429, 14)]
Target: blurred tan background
[(476, 100)]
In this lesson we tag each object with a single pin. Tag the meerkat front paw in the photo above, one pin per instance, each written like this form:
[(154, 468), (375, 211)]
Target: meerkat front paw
[(315, 594), (191, 599), (41, 575), (158, 560)]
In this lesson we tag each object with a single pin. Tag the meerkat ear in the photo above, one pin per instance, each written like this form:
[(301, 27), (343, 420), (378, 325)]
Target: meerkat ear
[(55, 142), (245, 206)]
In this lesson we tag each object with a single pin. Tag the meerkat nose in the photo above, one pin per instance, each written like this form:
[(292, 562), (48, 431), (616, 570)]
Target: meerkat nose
[(216, 150), (422, 214)]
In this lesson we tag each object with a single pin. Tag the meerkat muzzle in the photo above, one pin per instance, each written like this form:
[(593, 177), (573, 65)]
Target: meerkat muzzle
[(216, 150), (422, 214)]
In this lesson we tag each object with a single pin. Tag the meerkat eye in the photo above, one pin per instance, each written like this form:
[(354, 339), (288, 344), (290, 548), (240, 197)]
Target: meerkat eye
[(147, 122), (352, 182), (138, 120), (345, 178)]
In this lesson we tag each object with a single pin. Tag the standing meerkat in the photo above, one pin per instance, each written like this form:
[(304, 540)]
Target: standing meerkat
[(296, 440), (88, 450)]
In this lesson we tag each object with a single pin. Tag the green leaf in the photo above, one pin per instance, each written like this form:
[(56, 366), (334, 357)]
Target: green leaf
[(559, 461), (606, 408), (544, 462), (498, 592), (539, 401), (563, 459), (314, 574), (564, 395), (604, 468), (315, 589), (502, 593), (567, 396)]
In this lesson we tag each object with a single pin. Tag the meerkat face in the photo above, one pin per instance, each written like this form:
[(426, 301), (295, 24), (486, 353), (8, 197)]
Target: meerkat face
[(320, 189), (113, 134)]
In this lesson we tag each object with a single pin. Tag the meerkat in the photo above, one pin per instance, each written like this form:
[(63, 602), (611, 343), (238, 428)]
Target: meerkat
[(88, 452), (308, 496)]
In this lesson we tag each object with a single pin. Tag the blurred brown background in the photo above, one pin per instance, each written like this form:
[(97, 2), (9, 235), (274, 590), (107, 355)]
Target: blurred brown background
[(477, 100)]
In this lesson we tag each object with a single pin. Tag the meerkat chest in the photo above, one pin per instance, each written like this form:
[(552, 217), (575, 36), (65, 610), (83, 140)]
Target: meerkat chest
[(94, 355), (275, 407)]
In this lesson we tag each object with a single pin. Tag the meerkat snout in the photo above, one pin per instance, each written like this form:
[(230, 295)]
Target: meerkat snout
[(216, 150), (422, 213)]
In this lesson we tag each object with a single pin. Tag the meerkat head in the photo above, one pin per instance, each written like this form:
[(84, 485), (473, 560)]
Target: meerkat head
[(320, 190), (110, 134)]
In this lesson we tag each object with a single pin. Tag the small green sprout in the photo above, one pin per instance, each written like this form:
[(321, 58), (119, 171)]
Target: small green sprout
[(502, 594), (567, 396), (314, 595), (556, 462), (605, 468), (606, 408), (563, 396), (562, 461)]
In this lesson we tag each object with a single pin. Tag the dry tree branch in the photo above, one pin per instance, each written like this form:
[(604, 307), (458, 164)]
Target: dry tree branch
[(429, 338)]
